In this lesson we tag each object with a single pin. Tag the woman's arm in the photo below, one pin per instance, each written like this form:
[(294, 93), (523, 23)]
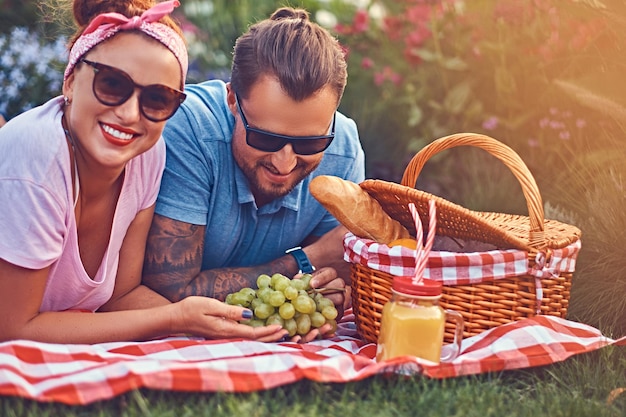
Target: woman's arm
[(144, 314), (21, 291), (129, 294)]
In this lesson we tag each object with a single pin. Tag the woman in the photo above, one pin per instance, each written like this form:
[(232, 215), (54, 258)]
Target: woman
[(79, 177)]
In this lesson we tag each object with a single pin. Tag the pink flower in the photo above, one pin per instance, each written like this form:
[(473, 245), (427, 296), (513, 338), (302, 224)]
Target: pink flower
[(418, 36), (392, 26), (387, 74), (367, 63), (418, 14), (490, 123), (361, 21), (360, 24)]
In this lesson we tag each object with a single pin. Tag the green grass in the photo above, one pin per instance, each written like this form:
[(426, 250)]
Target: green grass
[(576, 387)]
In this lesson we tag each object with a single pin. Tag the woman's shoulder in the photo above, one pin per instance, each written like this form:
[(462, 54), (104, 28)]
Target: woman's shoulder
[(34, 127), (34, 140)]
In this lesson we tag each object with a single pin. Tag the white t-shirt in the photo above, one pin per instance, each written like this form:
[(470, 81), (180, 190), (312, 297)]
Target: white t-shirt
[(37, 221)]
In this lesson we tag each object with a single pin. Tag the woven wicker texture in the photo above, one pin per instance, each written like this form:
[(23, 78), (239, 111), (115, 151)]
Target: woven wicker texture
[(493, 302)]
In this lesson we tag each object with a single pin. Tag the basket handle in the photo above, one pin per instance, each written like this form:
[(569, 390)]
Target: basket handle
[(504, 153)]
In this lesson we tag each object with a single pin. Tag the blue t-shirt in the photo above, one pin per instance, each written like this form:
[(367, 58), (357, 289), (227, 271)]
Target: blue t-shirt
[(202, 184)]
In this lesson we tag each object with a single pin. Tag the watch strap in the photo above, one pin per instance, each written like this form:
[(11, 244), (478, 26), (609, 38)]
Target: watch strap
[(304, 264)]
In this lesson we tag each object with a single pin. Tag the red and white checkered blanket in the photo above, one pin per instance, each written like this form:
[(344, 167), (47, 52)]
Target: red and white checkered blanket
[(81, 374)]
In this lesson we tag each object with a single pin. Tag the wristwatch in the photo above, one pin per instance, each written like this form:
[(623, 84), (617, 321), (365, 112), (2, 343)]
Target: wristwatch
[(304, 265)]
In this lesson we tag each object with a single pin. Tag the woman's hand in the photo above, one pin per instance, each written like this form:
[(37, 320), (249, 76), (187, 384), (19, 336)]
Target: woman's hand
[(210, 318)]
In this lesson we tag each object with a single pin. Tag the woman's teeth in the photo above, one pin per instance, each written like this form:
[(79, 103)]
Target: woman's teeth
[(117, 133)]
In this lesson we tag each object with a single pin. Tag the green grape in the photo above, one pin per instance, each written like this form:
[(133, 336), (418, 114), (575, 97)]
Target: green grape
[(255, 303), (304, 304), (298, 284), (330, 312), (290, 293), (333, 324), (264, 294), (263, 281), (263, 311), (306, 279), (248, 292), (275, 319), (239, 299), (281, 282), (291, 326), (256, 323), (287, 311), (229, 299), (317, 319), (303, 323), (275, 278), (276, 298), (324, 302), (317, 296)]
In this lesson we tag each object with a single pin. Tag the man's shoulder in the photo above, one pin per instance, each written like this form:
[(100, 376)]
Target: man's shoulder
[(204, 113), (205, 97)]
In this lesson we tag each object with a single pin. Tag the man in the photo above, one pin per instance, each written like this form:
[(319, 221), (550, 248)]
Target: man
[(234, 197)]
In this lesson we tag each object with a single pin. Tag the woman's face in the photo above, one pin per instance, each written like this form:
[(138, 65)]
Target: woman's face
[(109, 136)]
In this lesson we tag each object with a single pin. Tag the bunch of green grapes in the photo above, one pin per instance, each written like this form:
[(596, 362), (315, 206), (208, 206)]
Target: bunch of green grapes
[(292, 303)]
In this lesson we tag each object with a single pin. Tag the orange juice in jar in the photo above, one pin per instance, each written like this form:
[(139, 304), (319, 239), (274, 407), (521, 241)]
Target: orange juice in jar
[(413, 322)]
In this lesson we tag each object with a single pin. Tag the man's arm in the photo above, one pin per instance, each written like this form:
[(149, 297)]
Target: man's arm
[(173, 262)]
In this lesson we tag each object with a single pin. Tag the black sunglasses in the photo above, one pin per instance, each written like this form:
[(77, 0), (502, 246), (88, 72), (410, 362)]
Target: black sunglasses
[(113, 87), (273, 142)]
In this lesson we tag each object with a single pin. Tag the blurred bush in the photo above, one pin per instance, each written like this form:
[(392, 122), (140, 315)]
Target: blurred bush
[(542, 76), (31, 71)]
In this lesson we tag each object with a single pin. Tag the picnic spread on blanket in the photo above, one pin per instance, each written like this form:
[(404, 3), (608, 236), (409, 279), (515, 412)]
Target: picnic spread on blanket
[(509, 282)]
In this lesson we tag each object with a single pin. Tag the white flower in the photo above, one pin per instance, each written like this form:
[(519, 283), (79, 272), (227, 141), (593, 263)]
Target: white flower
[(30, 70)]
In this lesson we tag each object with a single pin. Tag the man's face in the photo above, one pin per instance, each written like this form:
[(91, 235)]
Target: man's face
[(269, 108)]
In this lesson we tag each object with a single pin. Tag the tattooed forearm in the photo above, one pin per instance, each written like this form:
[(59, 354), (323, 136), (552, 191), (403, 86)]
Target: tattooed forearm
[(218, 283), (173, 262), (173, 256)]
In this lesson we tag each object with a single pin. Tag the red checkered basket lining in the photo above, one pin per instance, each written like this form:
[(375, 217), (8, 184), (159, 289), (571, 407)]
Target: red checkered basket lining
[(454, 268)]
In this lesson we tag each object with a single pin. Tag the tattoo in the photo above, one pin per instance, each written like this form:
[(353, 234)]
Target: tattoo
[(218, 283), (173, 256), (173, 262)]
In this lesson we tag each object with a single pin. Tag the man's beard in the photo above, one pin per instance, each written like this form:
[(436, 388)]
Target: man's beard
[(266, 192)]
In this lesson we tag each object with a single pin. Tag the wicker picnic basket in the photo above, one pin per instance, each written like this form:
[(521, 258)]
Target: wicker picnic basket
[(491, 302)]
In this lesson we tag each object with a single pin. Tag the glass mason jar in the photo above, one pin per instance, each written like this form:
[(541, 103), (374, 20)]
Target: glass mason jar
[(413, 322)]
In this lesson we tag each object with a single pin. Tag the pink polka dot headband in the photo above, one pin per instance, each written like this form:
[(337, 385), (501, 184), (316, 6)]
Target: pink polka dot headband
[(105, 25)]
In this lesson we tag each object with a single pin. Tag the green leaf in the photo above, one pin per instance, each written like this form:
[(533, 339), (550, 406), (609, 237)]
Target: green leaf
[(454, 64), (456, 99), (425, 54), (415, 116)]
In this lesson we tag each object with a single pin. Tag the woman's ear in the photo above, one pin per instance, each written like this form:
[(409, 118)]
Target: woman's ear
[(68, 86)]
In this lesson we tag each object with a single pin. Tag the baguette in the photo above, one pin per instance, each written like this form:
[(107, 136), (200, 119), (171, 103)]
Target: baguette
[(353, 207)]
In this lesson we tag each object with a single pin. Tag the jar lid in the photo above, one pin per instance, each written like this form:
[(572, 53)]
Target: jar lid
[(425, 288)]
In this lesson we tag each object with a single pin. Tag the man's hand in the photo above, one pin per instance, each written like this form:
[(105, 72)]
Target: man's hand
[(327, 251), (333, 288)]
